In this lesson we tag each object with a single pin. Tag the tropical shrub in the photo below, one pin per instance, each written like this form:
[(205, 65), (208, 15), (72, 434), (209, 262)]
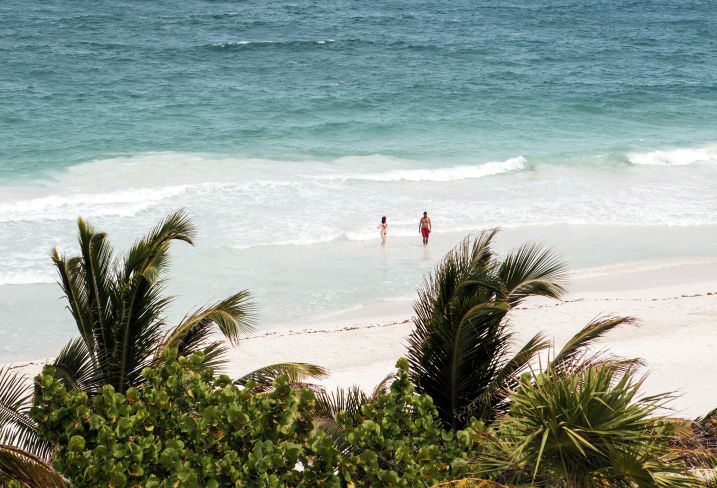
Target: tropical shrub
[(397, 439), (460, 352), (183, 427), (585, 428), (119, 308)]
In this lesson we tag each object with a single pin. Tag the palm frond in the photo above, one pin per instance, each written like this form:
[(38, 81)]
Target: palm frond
[(139, 328), (16, 426), (575, 354), (140, 304), (97, 270), (298, 374), (148, 255), (74, 286), (532, 270), (232, 317), (347, 401), (22, 467), (215, 356), (75, 366), (383, 386), (454, 361), (120, 307), (493, 401)]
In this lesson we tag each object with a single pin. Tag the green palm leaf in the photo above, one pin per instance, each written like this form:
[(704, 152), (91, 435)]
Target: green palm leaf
[(585, 427), (75, 367), (96, 272), (22, 467), (119, 307), (73, 285), (531, 270), (347, 401), (16, 427), (148, 256), (231, 317), (298, 373), (494, 400), (575, 354), (459, 352)]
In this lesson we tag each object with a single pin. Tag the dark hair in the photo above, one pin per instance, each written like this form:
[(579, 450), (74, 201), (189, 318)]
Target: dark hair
[(425, 213), (383, 219)]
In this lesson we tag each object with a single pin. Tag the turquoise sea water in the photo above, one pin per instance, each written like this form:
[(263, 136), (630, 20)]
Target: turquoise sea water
[(287, 129), (430, 81)]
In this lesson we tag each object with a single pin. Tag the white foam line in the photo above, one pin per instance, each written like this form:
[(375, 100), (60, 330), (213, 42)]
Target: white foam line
[(454, 173), (675, 157)]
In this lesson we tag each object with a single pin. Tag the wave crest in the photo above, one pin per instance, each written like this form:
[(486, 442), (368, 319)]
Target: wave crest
[(674, 157), (454, 173), (59, 207), (250, 44)]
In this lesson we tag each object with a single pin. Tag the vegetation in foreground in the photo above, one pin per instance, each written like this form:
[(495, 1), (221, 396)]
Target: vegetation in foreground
[(134, 402), (119, 308)]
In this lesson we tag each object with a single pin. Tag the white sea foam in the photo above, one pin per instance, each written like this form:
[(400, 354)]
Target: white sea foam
[(231, 44), (29, 277), (454, 173), (239, 43), (675, 157), (121, 203)]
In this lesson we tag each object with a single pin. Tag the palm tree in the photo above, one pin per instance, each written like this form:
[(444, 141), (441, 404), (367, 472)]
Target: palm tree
[(585, 427), (119, 308), (459, 352), (23, 457)]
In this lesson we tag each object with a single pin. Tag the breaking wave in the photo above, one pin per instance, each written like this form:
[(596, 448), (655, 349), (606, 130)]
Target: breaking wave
[(59, 207), (675, 157), (454, 173)]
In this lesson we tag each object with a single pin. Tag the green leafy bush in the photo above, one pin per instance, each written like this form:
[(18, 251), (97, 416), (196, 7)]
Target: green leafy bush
[(398, 440), (184, 428)]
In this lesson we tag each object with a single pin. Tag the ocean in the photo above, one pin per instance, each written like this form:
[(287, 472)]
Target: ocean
[(288, 128)]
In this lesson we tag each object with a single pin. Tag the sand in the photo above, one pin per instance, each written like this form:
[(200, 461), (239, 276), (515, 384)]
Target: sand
[(677, 335)]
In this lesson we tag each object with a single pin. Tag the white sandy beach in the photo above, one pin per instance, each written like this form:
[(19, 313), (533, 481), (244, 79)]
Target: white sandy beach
[(677, 335)]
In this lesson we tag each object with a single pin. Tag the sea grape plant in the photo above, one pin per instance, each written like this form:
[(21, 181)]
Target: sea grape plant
[(186, 428), (398, 440)]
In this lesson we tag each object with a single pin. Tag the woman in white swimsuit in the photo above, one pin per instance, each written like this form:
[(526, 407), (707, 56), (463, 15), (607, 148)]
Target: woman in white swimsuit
[(383, 228)]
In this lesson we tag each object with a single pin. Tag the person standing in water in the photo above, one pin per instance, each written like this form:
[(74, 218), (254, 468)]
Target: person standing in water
[(424, 228), (383, 228)]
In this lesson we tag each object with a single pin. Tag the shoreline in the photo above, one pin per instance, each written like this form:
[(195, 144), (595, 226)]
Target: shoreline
[(675, 305)]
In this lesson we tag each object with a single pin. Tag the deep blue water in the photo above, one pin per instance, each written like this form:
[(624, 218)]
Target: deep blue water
[(439, 82)]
